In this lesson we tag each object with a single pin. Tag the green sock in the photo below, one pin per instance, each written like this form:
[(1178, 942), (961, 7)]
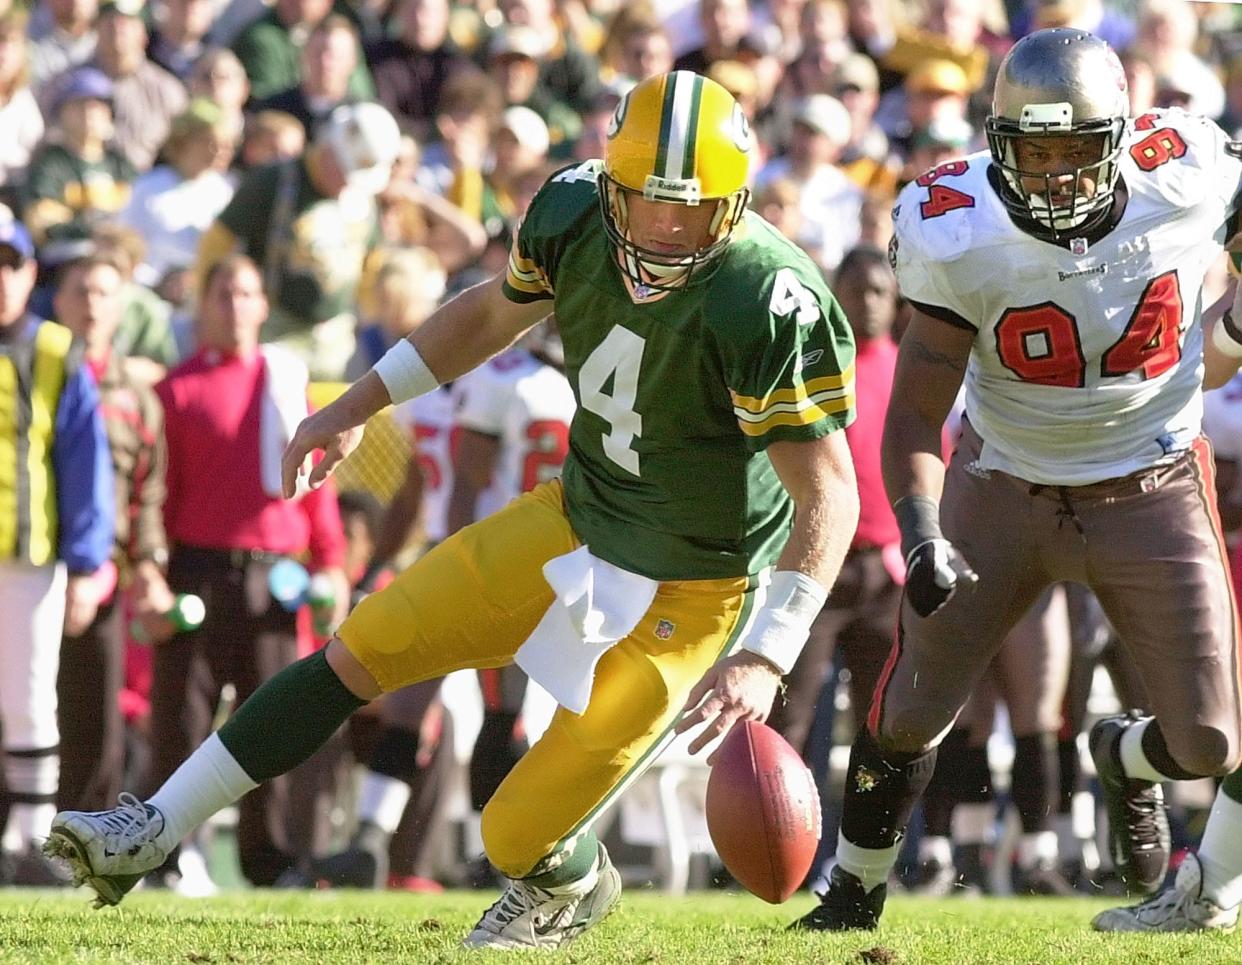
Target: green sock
[(289, 718), (575, 867)]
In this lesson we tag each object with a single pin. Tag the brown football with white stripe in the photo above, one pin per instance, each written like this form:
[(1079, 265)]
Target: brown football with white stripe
[(763, 811)]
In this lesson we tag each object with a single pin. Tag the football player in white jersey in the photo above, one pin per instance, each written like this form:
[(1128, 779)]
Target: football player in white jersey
[(1059, 274), (512, 423)]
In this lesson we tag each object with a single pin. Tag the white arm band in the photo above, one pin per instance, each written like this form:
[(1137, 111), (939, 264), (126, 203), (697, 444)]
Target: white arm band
[(783, 623), (404, 373)]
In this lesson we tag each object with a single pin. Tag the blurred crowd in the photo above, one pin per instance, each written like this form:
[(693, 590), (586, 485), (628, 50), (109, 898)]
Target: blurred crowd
[(225, 201)]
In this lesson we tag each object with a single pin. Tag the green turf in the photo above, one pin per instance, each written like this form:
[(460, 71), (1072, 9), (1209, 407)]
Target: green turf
[(278, 927)]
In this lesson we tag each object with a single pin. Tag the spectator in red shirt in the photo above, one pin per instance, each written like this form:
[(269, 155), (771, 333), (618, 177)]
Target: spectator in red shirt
[(861, 613), (228, 526)]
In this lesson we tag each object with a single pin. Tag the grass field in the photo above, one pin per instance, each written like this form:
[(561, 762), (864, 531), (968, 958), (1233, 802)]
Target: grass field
[(278, 927)]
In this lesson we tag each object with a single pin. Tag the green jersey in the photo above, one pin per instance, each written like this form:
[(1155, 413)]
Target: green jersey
[(680, 392)]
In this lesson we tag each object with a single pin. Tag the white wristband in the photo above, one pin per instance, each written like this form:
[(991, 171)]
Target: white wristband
[(1225, 343), (783, 623), (404, 373)]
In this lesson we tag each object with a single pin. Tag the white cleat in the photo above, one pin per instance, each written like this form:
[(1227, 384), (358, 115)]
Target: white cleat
[(1180, 907), (530, 917), (108, 850)]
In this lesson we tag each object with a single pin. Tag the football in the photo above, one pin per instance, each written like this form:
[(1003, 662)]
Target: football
[(763, 811)]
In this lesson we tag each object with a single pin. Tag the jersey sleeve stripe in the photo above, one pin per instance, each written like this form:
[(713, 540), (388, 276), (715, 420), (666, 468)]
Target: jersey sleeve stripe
[(798, 393), (526, 276), (803, 417), (820, 399)]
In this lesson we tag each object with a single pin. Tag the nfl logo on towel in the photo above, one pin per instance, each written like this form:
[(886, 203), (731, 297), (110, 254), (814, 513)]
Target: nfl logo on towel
[(664, 629)]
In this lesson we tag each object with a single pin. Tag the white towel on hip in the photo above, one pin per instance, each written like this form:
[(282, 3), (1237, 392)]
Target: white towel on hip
[(596, 605), (283, 406)]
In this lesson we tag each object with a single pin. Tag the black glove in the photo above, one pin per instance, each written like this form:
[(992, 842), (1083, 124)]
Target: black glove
[(934, 567), (934, 571)]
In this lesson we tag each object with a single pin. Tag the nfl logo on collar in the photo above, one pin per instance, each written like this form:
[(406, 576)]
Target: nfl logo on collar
[(664, 629), (1078, 246)]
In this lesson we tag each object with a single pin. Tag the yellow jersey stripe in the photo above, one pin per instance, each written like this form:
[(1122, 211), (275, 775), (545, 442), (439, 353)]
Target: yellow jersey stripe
[(526, 275), (529, 287), (803, 417), (51, 345), (799, 392), (523, 266), (819, 398), (8, 459)]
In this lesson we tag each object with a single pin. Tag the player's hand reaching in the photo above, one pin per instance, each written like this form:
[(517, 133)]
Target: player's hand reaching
[(324, 430), (935, 570), (740, 687)]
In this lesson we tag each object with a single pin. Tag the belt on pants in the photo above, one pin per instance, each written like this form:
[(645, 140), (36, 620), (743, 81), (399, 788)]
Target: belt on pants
[(1143, 481), (236, 558)]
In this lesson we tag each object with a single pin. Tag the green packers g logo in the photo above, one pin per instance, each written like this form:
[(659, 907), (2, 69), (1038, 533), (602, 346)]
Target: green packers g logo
[(618, 116), (740, 128)]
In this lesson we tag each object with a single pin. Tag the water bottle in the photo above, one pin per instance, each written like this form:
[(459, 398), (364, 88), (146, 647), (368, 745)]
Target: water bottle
[(288, 582), (187, 613), (321, 595)]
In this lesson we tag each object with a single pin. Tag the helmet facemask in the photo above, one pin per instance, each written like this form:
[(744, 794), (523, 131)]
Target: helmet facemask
[(664, 271), (1056, 119)]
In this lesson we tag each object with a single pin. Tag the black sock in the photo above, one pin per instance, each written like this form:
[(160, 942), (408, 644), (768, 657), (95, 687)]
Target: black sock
[(1069, 769), (396, 753), (942, 794), (1034, 785), (497, 749), (881, 789)]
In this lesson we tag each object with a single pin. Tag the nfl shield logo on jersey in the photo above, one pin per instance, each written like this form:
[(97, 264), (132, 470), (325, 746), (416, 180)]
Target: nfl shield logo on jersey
[(664, 629), (1078, 246)]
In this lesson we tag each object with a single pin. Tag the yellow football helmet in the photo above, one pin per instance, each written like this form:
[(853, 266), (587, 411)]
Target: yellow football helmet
[(679, 138)]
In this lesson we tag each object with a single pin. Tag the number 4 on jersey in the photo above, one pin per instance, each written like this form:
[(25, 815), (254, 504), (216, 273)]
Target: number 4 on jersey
[(617, 358), (789, 296)]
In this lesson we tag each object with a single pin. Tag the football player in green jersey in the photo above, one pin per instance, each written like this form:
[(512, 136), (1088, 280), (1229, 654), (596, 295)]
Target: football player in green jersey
[(670, 577)]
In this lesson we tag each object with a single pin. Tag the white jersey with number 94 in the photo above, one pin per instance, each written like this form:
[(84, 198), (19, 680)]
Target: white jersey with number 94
[(1088, 361)]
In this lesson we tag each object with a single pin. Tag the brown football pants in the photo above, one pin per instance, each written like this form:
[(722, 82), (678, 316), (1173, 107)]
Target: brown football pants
[(1150, 546)]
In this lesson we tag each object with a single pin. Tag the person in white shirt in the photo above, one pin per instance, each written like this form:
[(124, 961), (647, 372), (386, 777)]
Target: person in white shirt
[(174, 203), (63, 35), (831, 204), (20, 118)]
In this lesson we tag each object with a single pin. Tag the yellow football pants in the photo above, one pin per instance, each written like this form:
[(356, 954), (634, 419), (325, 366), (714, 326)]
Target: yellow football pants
[(475, 598)]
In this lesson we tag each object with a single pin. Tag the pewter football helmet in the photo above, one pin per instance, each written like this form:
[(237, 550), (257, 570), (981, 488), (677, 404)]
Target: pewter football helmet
[(1067, 82)]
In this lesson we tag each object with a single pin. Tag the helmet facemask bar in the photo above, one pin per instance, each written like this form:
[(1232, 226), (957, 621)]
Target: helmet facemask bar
[(1038, 206), (657, 270)]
